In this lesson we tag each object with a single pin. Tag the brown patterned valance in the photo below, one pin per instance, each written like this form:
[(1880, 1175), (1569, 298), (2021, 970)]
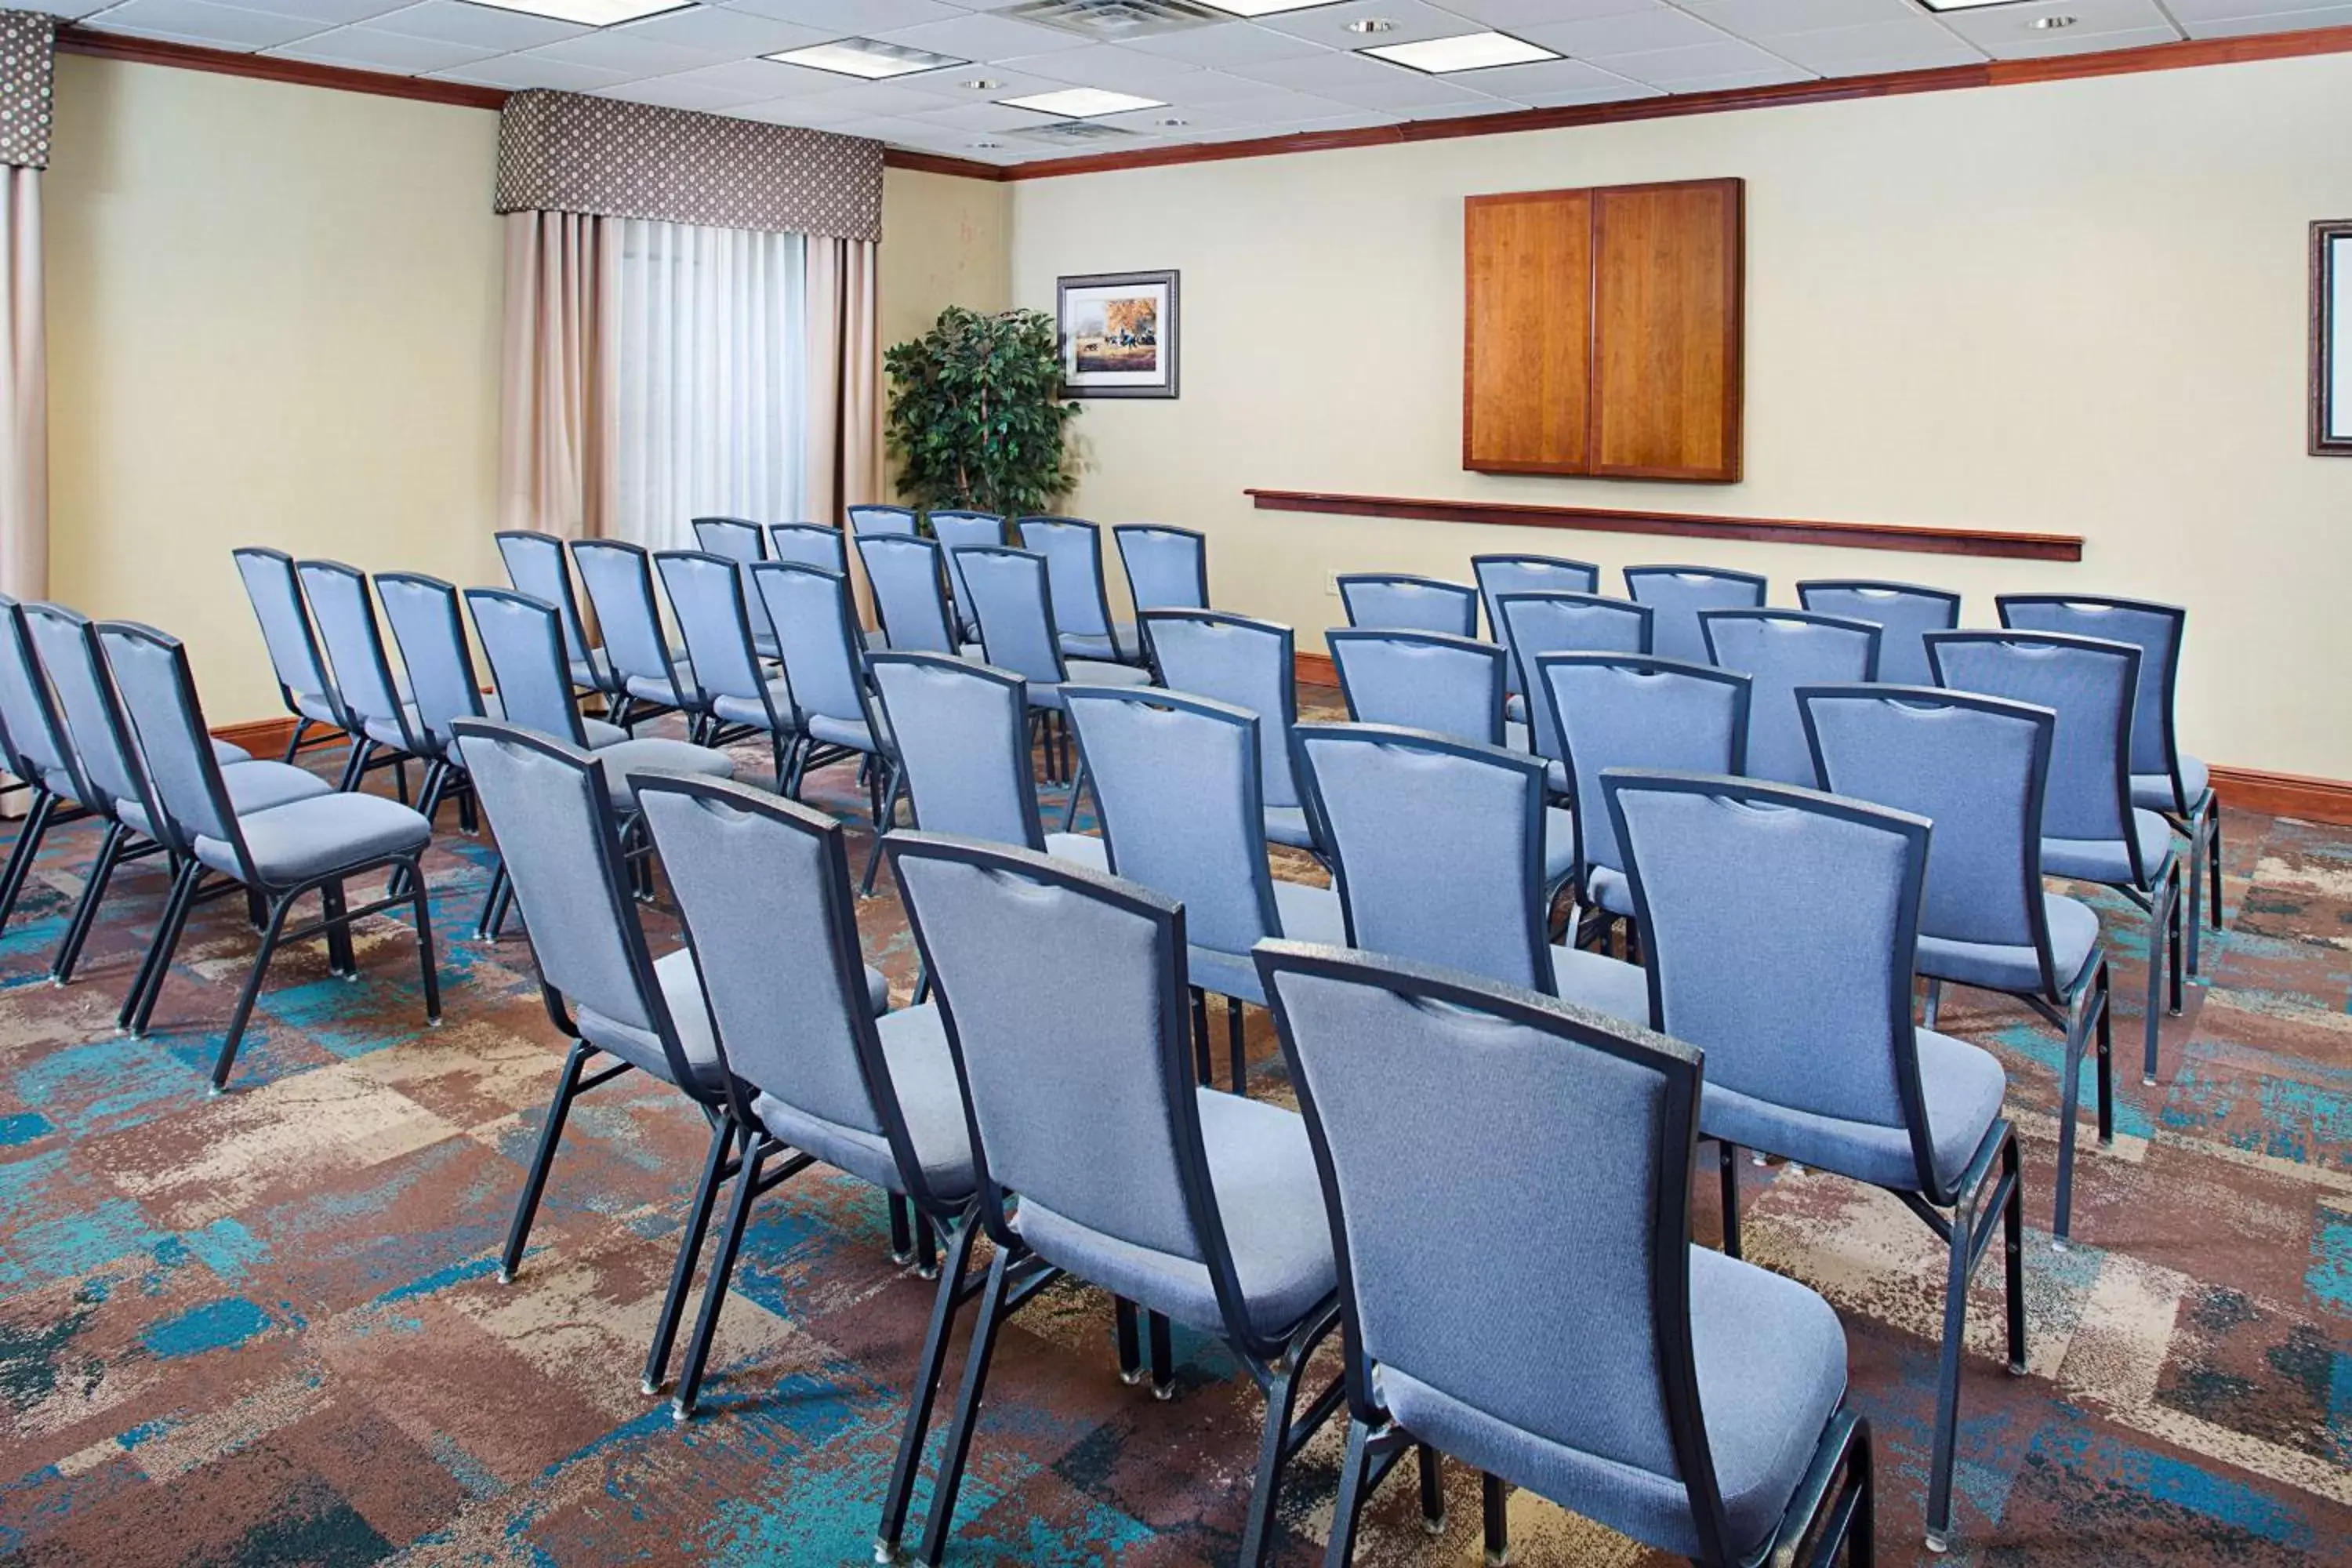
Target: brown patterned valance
[(560, 151), (27, 64)]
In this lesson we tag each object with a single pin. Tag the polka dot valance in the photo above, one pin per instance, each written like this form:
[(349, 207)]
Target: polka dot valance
[(28, 67)]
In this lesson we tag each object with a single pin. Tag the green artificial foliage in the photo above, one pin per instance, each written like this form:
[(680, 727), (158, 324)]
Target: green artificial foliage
[(977, 414)]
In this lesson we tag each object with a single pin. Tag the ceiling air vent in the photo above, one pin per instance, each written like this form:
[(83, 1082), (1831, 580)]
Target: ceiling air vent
[(1076, 133), (1116, 21)]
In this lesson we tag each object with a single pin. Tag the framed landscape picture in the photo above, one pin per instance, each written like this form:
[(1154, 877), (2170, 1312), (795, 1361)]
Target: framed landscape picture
[(2331, 340), (1118, 334)]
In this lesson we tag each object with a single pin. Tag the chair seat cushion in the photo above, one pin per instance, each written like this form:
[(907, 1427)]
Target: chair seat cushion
[(1996, 966), (1559, 846), (317, 835), (681, 989), (1961, 1085), (601, 734), (1771, 1358), (1515, 737), (1308, 913), (386, 733), (314, 706), (656, 755), (1079, 850), (1126, 650), (588, 674), (1087, 672), (1604, 985), (1263, 1173), (2109, 860), (923, 1077), (225, 753), (2154, 791), (852, 733), (748, 710), (1608, 889), (1287, 825), (252, 786), (1555, 778), (653, 688)]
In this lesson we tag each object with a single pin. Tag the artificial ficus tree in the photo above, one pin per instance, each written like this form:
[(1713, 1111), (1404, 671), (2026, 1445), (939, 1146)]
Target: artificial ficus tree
[(977, 414)]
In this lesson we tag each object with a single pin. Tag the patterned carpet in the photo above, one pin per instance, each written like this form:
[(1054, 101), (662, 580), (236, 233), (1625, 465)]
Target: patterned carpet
[(266, 1328)]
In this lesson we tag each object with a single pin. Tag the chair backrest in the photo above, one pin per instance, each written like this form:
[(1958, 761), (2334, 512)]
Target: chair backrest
[(620, 581), (40, 747), (2155, 629), (431, 632), (1167, 568), (1904, 614), (962, 733), (1679, 593), (733, 537), (522, 642), (1777, 928), (816, 629), (764, 895), (1176, 780), (1072, 548), (1421, 680), (956, 528), (149, 670), (97, 734), (347, 625), (1436, 846), (1387, 601), (1974, 766), (1079, 1074), (1779, 650), (1018, 630), (1634, 711), (909, 591), (537, 565), (1490, 1158), (865, 520), (1558, 621), (808, 544), (714, 618), (551, 812), (285, 628), (1499, 574), (2088, 683), (1236, 660)]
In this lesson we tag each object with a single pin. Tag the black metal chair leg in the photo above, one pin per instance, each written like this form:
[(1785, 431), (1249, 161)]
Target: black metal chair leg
[(1346, 1510), (28, 848), (927, 1370), (690, 1252), (1078, 788), (883, 813), (975, 1382), (534, 1183), (428, 973), (139, 1006), (1281, 1400), (93, 893), (714, 1290), (2107, 1058), (1234, 1045), (340, 958), (355, 765), (902, 1232), (2213, 859), (1727, 1155), (1432, 1490), (301, 726), (1127, 1339), (2180, 971), (2155, 990), (251, 991), (1493, 1508), (2012, 1244), (1203, 1068), (2070, 1096), (1164, 1356), (1948, 1376)]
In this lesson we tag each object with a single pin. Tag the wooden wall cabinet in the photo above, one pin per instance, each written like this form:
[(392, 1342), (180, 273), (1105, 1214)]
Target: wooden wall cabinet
[(1601, 332)]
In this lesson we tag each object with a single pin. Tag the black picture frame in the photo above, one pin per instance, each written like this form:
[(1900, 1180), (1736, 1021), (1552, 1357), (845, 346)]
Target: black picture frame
[(2331, 338), (1169, 335)]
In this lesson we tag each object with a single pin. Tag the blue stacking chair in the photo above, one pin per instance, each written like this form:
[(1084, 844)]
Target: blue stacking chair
[(1201, 1207), (38, 752), (808, 544), (1905, 613), (1978, 768), (1011, 591), (537, 564), (956, 528), (2091, 831), (1249, 665), (1504, 1177), (1176, 778), (652, 677), (833, 707), (1442, 853), (1499, 574), (1072, 549), (1631, 711), (742, 543), (430, 630), (277, 857), (2164, 779), (377, 703), (1779, 651), (1392, 601), (1779, 926), (291, 640), (1561, 621), (708, 594), (869, 520), (810, 1065), (1679, 593), (1167, 568), (907, 575)]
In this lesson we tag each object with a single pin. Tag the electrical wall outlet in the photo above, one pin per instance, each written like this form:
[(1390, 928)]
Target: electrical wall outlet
[(1331, 584)]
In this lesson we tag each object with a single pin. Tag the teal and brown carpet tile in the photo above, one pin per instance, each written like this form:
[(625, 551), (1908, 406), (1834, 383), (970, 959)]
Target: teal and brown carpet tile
[(266, 1328)]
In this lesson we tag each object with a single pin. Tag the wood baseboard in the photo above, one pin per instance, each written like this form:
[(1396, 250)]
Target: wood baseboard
[(1316, 669), (265, 737)]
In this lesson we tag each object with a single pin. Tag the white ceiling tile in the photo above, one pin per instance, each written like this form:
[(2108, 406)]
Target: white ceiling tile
[(1411, 20), (2034, 46), (1605, 87), (948, 86), (875, 98), (1769, 18), (1511, 15), (677, 92), (757, 81), (616, 50), (1547, 82), (69, 10), (727, 34), (1110, 66), (1911, 43), (1779, 74), (1463, 110), (484, 27), (1224, 87), (848, 17), (335, 13), (2187, 11), (969, 36), (518, 71), (197, 22), (1634, 32), (1228, 43), (887, 128), (1202, 121), (794, 110), (992, 117), (1320, 73), (1413, 92), (2239, 26), (366, 49), (2006, 32), (1661, 68)]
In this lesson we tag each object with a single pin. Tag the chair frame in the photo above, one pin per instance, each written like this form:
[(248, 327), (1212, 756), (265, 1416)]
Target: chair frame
[(1375, 1443), (1032, 817), (1632, 576), (330, 696), (779, 531), (859, 513), (1119, 533), (1982, 1205), (707, 528)]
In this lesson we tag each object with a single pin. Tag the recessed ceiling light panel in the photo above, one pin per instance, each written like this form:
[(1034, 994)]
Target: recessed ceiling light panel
[(869, 60), (1462, 52), (590, 13), (1084, 102)]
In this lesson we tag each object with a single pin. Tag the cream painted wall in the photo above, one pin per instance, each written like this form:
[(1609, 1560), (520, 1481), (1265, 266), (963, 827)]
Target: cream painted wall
[(944, 242), (2076, 306), (273, 319)]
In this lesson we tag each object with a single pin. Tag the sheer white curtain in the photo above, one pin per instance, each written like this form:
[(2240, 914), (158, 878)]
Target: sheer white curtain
[(710, 338)]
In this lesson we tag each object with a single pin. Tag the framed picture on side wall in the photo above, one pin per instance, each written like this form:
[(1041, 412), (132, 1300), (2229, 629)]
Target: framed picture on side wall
[(1118, 334), (2331, 340)]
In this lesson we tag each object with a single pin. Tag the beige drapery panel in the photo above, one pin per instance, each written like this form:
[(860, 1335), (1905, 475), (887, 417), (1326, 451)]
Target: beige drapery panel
[(560, 406), (841, 464), (27, 50)]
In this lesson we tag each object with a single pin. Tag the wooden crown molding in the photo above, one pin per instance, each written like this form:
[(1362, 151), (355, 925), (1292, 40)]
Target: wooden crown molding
[(74, 40), (1688, 525)]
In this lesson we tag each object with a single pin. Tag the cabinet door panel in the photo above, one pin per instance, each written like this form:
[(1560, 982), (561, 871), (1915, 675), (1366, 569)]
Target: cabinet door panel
[(1666, 330), (1527, 351)]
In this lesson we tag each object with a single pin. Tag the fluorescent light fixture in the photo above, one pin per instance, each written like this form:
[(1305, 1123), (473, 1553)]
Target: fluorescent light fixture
[(590, 13), (1083, 102), (1265, 7), (1462, 52), (869, 60)]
